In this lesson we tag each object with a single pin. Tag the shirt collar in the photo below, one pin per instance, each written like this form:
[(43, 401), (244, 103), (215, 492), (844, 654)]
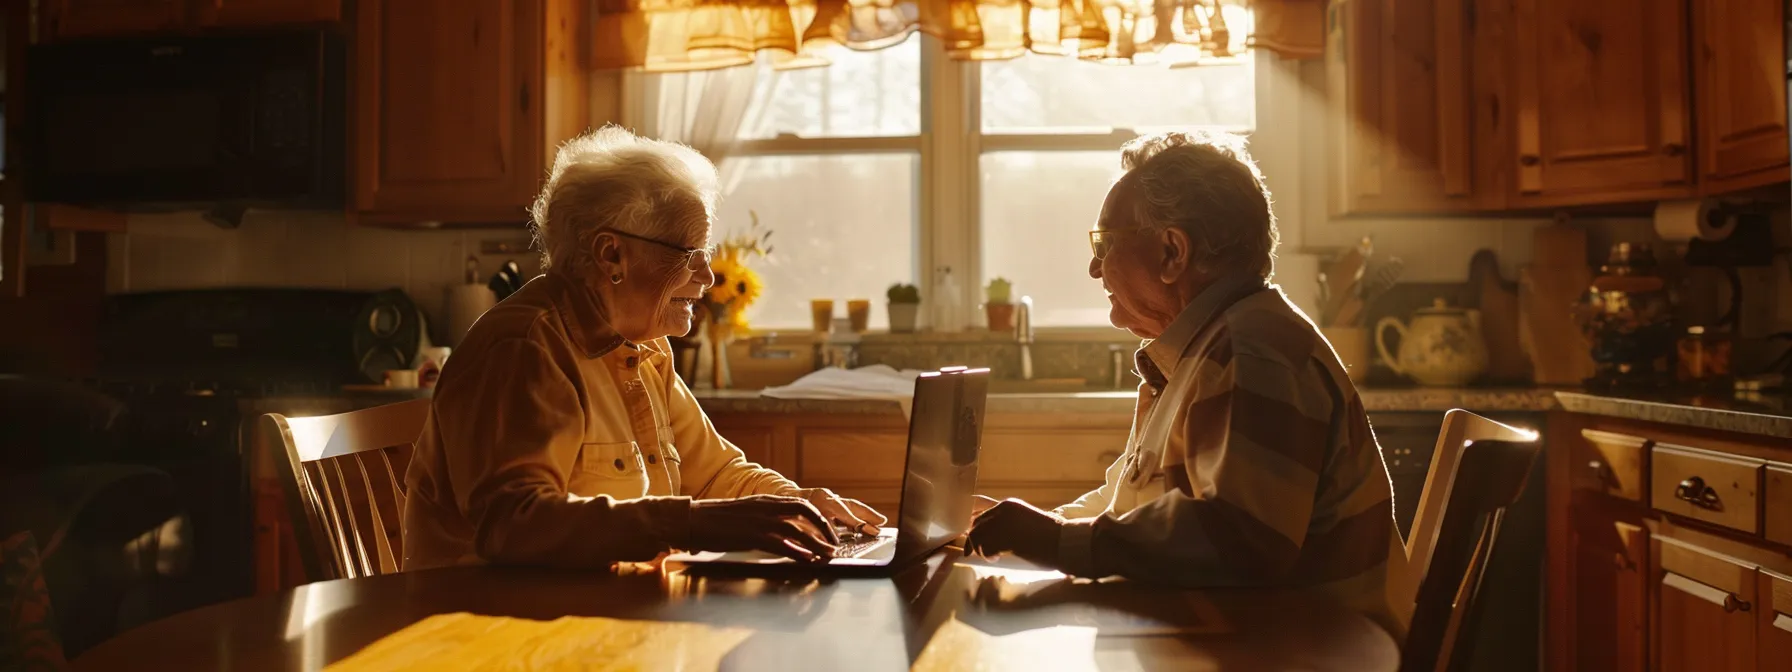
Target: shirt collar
[(586, 318), (1165, 351)]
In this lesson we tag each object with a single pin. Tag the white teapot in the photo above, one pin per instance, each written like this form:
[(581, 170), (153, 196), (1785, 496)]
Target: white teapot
[(1441, 348)]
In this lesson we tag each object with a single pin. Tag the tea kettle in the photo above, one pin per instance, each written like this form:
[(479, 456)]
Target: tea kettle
[(1442, 347)]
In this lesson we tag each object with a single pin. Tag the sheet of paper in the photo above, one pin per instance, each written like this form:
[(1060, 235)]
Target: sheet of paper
[(956, 647), (465, 641)]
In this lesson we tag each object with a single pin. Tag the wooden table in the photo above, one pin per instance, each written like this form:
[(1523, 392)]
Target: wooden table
[(800, 623)]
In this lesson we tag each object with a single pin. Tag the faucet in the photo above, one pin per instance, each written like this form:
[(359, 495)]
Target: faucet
[(1023, 334)]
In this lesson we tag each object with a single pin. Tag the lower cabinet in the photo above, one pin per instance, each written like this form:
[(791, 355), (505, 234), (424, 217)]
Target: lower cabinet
[(1773, 618), (1047, 460), (1611, 605), (1703, 604)]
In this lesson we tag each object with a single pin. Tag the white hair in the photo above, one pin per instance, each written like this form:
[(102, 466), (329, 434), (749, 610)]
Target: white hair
[(1206, 185), (613, 179)]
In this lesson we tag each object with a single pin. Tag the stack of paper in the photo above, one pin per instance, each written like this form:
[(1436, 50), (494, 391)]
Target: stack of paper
[(957, 647), (469, 642), (870, 382)]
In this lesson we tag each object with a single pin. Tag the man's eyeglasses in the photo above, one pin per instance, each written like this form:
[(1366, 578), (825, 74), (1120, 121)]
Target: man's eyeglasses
[(1102, 240), (696, 259)]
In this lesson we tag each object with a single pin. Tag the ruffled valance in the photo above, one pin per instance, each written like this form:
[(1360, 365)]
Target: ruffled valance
[(678, 35)]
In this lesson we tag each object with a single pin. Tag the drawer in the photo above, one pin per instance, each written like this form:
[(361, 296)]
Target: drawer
[(1777, 524), (1711, 487), (1611, 464), (1033, 456), (830, 456)]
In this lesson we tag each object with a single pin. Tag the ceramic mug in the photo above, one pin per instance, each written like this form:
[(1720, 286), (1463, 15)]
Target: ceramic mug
[(401, 379), (1352, 346)]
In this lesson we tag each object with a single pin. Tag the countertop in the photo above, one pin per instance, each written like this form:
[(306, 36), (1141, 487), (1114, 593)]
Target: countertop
[(1760, 414)]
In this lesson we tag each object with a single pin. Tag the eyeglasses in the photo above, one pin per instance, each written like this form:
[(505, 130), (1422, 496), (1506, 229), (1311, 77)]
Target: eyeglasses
[(696, 259), (1102, 240)]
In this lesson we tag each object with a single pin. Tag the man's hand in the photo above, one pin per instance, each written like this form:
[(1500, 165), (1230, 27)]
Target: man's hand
[(1014, 526), (851, 514), (787, 526)]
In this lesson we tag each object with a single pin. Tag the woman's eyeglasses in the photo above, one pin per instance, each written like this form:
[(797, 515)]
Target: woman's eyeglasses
[(696, 259), (1102, 240)]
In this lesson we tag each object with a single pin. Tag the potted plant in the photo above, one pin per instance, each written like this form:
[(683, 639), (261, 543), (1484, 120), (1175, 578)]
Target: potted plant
[(905, 305), (998, 304)]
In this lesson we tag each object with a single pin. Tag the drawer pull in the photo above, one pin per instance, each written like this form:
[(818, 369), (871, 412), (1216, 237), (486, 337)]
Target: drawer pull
[(1694, 491), (1729, 601), (1601, 472)]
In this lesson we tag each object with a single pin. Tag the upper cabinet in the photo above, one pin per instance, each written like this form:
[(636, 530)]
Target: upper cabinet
[(1399, 76), (1739, 71), (95, 18), (1445, 106), (1599, 94), (460, 105), (72, 19)]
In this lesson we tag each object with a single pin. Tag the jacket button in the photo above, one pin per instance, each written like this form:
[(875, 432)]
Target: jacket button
[(618, 464), (653, 459)]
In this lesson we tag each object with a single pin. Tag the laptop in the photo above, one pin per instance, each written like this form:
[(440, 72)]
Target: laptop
[(945, 435)]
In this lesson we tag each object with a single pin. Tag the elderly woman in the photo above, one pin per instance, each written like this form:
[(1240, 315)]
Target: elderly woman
[(1251, 461), (559, 433)]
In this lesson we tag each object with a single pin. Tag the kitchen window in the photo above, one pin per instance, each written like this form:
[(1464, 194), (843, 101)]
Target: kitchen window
[(885, 163)]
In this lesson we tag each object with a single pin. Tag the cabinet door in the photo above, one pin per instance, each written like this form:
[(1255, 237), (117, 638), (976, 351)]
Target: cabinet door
[(1404, 144), (1600, 96), (258, 13), (1739, 62), (1610, 586), (92, 18), (1703, 601), (445, 128), (1775, 620)]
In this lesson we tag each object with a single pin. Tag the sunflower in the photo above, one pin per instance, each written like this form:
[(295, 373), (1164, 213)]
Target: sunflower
[(728, 272)]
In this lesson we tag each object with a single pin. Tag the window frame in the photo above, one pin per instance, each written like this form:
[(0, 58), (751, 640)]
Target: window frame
[(950, 148)]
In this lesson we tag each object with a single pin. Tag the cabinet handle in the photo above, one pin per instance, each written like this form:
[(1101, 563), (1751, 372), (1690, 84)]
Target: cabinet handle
[(1673, 149), (1529, 160), (1722, 598), (1694, 491), (1600, 471), (1623, 562)]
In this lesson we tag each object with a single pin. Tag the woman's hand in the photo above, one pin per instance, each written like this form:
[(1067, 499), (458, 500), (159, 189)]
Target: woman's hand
[(851, 514), (786, 526)]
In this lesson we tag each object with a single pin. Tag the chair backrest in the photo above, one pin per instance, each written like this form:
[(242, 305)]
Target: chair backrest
[(1477, 470), (343, 476)]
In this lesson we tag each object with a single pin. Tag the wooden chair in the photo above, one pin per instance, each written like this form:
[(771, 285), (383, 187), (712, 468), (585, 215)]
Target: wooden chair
[(1477, 470), (343, 477)]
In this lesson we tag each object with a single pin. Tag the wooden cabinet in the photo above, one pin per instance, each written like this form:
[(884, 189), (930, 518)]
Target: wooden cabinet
[(461, 104), (1610, 584), (1703, 602), (1739, 63), (1600, 96), (261, 13), (110, 18), (1399, 78), (1773, 634), (99, 18), (1048, 460)]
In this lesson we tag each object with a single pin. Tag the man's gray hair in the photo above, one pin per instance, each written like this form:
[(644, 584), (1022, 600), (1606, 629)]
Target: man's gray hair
[(1206, 185), (613, 179)]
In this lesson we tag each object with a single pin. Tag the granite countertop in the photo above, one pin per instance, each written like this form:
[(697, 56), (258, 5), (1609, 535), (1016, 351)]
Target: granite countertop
[(1759, 414)]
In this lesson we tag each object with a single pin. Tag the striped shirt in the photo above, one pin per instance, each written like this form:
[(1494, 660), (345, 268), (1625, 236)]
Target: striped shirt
[(1251, 463)]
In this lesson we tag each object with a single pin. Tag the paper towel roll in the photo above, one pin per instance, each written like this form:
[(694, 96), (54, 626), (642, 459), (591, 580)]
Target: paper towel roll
[(1298, 276), (1679, 221), (465, 304)]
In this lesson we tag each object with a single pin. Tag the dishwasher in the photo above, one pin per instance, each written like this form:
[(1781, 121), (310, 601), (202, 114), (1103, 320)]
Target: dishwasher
[(1511, 634)]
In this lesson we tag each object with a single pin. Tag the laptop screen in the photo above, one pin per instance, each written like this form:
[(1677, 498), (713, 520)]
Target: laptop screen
[(944, 437)]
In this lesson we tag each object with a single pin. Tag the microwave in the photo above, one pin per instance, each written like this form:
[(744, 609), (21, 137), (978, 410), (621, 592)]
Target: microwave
[(245, 119)]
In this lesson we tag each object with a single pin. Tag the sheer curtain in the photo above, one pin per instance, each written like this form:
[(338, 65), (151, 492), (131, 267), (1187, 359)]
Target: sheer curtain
[(703, 109)]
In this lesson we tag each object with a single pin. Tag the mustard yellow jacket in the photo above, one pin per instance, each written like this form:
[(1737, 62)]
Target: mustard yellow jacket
[(552, 441)]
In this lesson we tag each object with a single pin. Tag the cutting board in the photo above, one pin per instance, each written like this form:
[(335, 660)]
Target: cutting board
[(1498, 302), (1560, 354)]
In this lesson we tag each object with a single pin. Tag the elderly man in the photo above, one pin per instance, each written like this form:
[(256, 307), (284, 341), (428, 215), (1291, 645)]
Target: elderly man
[(1251, 461), (559, 434)]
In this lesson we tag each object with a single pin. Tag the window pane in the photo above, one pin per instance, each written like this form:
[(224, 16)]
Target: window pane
[(860, 94), (843, 228), (1054, 94), (1037, 210)]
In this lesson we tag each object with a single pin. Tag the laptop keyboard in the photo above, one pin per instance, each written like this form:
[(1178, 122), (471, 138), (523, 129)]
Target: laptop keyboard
[(853, 543)]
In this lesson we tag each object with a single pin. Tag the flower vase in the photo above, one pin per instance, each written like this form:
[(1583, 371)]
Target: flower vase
[(719, 336)]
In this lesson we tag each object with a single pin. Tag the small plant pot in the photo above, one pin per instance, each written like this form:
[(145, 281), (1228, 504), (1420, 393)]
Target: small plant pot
[(902, 317), (1001, 316)]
